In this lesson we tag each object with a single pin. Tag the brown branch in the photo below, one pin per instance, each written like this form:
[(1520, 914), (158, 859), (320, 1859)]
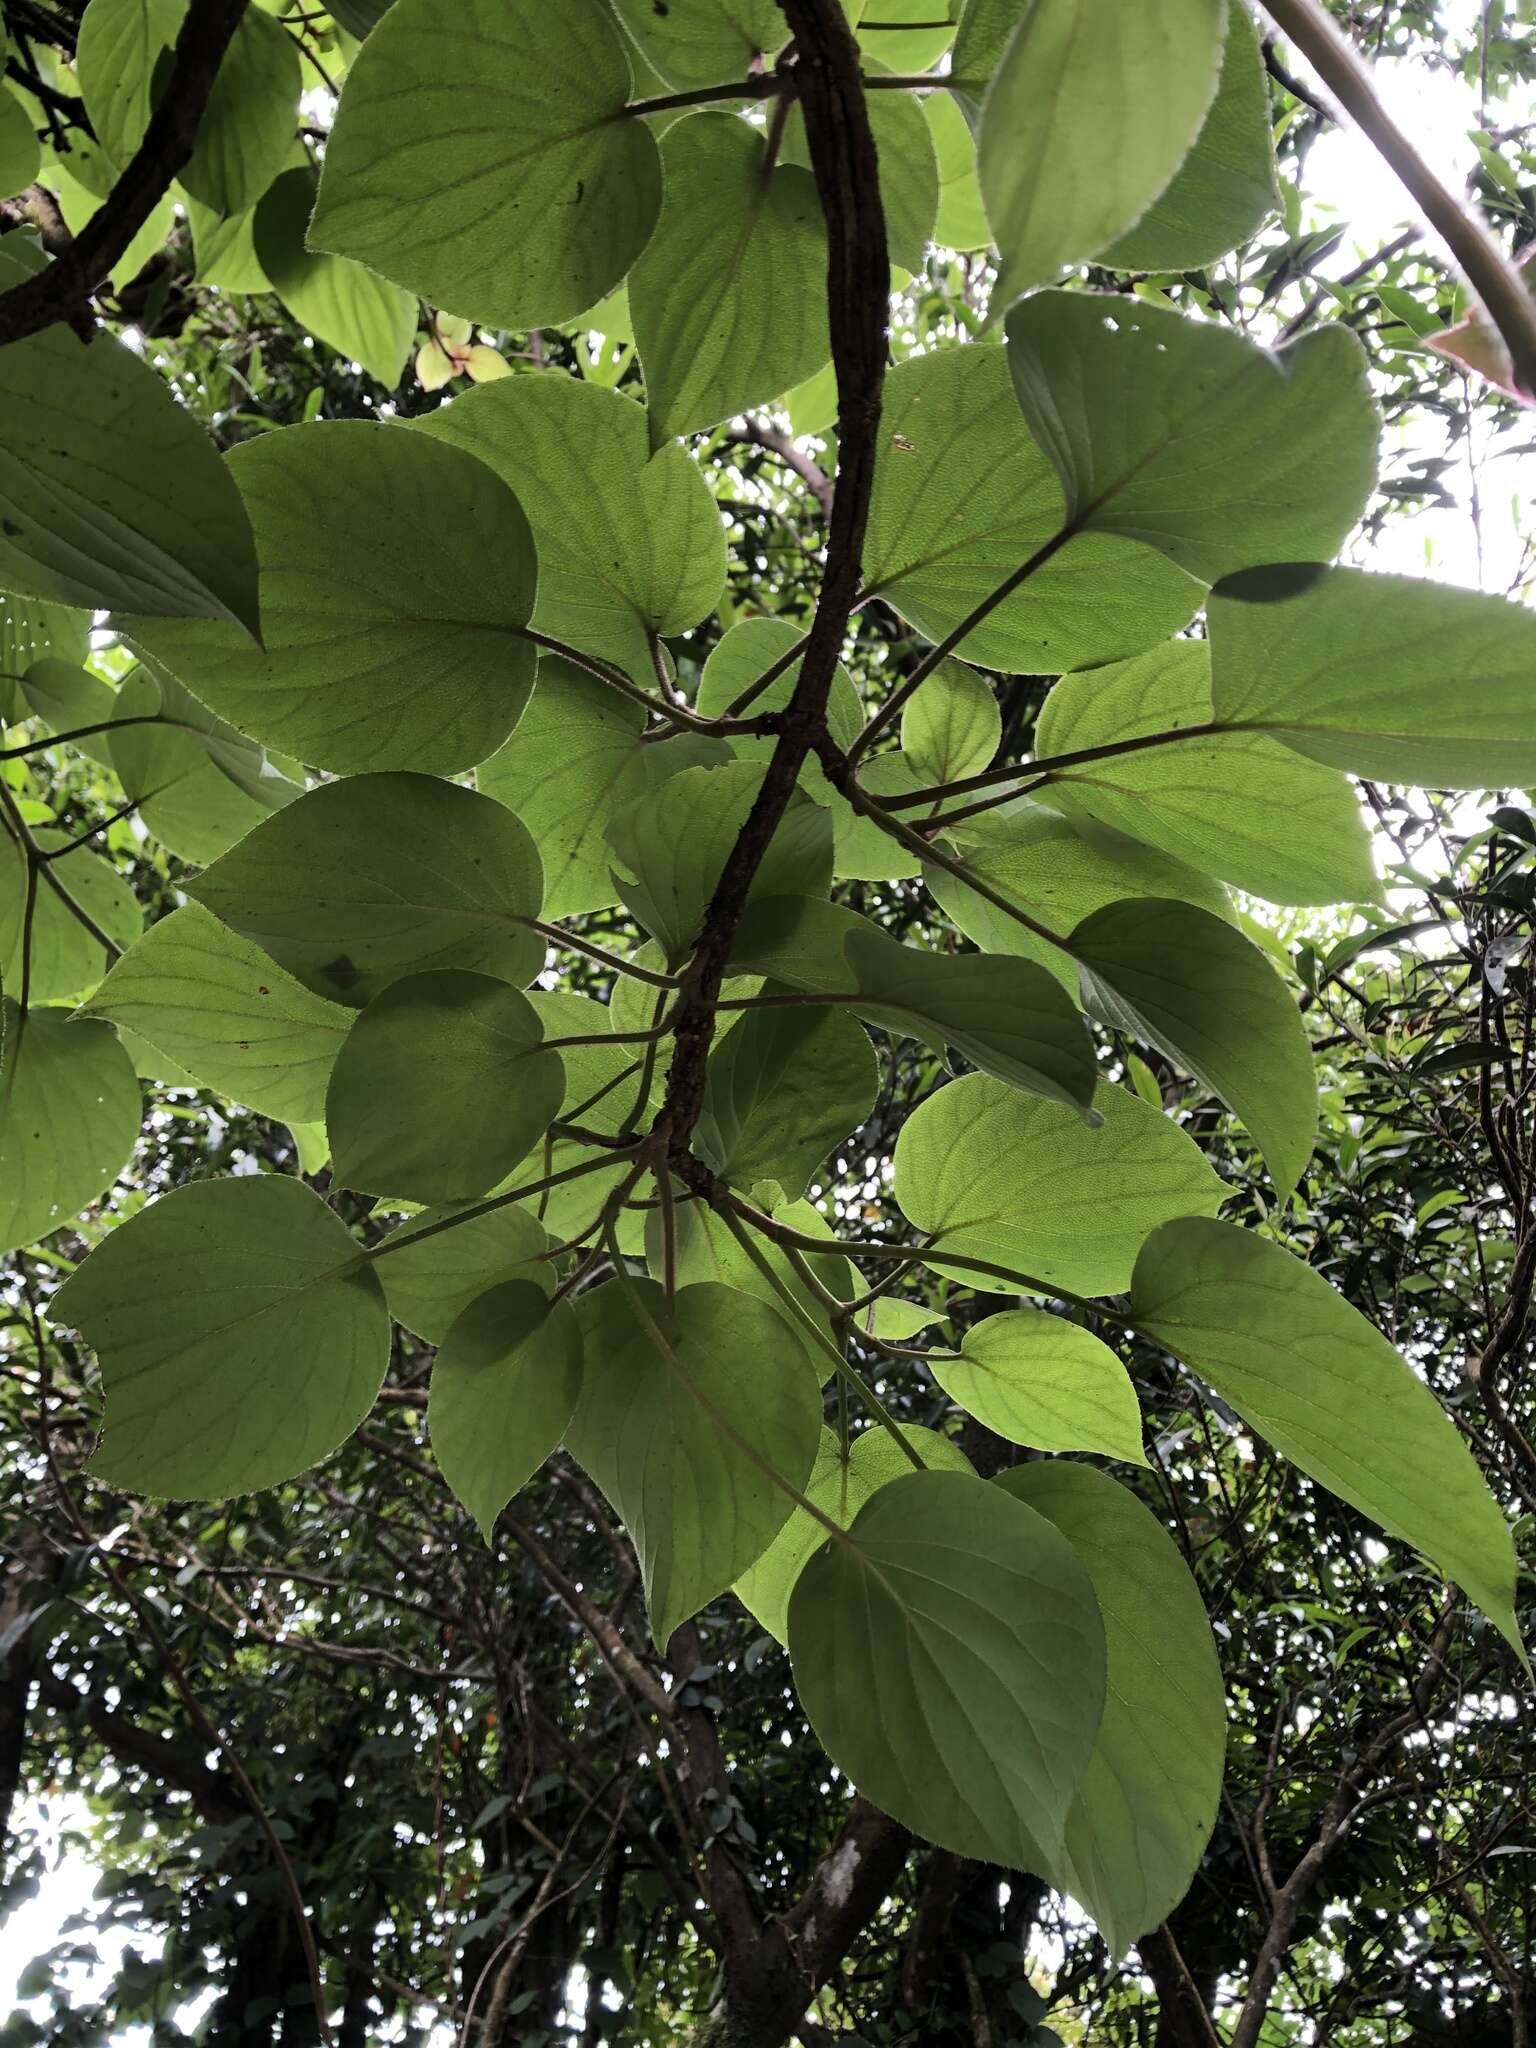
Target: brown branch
[(757, 433), (63, 290)]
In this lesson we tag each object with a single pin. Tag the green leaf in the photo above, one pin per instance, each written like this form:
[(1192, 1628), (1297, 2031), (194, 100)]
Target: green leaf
[(968, 1618), (963, 498), (909, 168), (1351, 669), (1059, 871), (1146, 1804), (1234, 804), (66, 698), (839, 1490), (1038, 1380), (1023, 1183), (693, 1419), (962, 222), (504, 1386), (693, 43), (66, 958), (420, 182), (629, 542), (1205, 995), (575, 761), (224, 250), (783, 1088), (441, 1087), (671, 845), (590, 1070), (1224, 190), (1308, 1372), (1189, 437), (239, 1336), (20, 153), (706, 1250), (88, 516), (351, 309), (952, 727), (389, 644), (31, 633), (883, 33), (1091, 111), (226, 1013), (729, 300), (365, 880), (430, 1284), (69, 1119)]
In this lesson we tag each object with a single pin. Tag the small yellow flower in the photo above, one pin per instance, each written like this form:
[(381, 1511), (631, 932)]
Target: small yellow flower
[(448, 353)]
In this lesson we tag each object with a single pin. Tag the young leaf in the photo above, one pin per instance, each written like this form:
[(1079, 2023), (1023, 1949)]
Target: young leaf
[(699, 1423), (430, 1284), (1092, 109), (87, 515), (365, 880), (421, 184), (694, 43), (1307, 1371), (1230, 803), (963, 498), (952, 727), (352, 309), (729, 300), (441, 1088), (66, 959), (1351, 669), (1146, 1804), (1025, 1184), (968, 1618), (1205, 995), (1038, 1380), (240, 1339), (783, 1088), (839, 1490), (1224, 190), (1191, 438), (388, 643), (504, 1386), (69, 1119)]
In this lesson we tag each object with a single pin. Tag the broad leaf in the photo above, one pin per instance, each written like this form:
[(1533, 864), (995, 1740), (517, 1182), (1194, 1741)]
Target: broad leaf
[(422, 184), (66, 957), (388, 643), (706, 1250), (1038, 1380), (1090, 112), (87, 516), (729, 300), (1025, 1184), (952, 727), (784, 1087), (441, 1088), (240, 1337), (1206, 996), (909, 169), (227, 1014), (430, 1276), (353, 309), (1189, 437), (69, 1119), (600, 1083), (20, 153), (962, 221), (694, 1419), (963, 499), (504, 1386), (1146, 1804), (968, 1618), (1307, 1371), (1385, 675), (704, 42), (839, 1489), (365, 880), (32, 632), (67, 698)]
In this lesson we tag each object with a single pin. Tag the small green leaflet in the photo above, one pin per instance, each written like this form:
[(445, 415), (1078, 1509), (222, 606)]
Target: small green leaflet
[(69, 1119), (429, 1284), (969, 1619), (441, 1088), (1091, 110), (839, 1490), (388, 643), (1351, 669), (504, 1385), (1025, 1184), (364, 880), (239, 1334), (952, 727), (1307, 1371), (355, 310), (699, 1423), (1192, 439), (1036, 1379), (1146, 1804), (783, 1088), (85, 520), (420, 182), (729, 300), (225, 1012)]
